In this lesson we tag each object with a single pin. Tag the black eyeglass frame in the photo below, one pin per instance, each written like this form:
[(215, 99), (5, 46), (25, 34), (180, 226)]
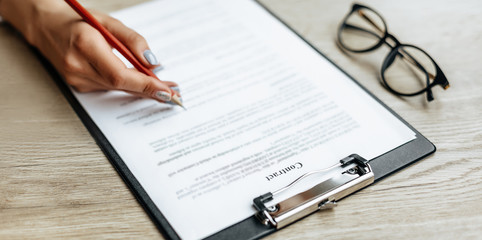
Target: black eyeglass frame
[(439, 77)]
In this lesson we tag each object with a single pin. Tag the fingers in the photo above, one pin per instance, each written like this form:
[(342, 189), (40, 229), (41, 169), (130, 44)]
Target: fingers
[(91, 64), (115, 75), (174, 87), (84, 84), (75, 68), (80, 74), (134, 41)]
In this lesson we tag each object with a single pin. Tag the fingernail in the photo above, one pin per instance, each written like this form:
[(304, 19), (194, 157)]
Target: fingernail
[(150, 57), (164, 96), (176, 89), (157, 69)]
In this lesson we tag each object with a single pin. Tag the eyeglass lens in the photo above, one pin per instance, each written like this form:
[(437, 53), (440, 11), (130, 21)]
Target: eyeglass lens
[(408, 70), (363, 29)]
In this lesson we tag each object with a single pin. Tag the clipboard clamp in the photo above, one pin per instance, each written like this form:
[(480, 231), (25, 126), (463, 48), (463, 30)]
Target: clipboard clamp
[(349, 175)]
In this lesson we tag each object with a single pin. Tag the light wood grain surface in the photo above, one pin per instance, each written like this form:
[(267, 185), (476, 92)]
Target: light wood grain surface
[(55, 183)]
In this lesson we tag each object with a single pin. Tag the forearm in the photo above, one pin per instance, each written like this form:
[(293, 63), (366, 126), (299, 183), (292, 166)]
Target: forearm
[(80, 53), (24, 15)]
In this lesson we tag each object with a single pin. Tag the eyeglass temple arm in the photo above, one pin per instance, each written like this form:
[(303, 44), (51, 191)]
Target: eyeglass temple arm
[(410, 60), (363, 15), (346, 25)]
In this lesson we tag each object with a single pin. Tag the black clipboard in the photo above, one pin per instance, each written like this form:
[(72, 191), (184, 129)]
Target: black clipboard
[(252, 227)]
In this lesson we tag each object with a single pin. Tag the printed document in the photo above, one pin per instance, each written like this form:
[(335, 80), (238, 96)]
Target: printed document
[(263, 107)]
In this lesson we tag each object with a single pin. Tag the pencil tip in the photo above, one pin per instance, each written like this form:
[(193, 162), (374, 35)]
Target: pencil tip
[(175, 99)]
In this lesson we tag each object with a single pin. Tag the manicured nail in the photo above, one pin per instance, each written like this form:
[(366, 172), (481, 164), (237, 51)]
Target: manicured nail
[(176, 88), (150, 57), (157, 69), (164, 96)]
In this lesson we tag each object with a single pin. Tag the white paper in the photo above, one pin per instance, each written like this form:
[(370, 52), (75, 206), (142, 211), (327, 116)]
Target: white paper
[(263, 108)]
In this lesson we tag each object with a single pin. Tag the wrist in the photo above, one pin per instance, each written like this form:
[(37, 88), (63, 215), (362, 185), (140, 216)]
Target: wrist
[(26, 16), (1, 3), (19, 15)]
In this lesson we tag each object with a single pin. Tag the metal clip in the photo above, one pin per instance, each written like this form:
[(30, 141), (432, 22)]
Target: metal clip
[(349, 175)]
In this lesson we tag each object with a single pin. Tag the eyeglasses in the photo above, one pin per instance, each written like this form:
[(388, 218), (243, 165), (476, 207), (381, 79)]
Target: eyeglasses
[(364, 30)]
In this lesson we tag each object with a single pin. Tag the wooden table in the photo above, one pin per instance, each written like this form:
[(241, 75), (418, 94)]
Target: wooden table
[(55, 182)]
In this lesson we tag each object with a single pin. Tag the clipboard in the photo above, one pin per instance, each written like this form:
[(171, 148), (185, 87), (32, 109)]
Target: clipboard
[(348, 176)]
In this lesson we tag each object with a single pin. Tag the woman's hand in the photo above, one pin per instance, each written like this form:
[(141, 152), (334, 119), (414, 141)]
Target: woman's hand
[(80, 53)]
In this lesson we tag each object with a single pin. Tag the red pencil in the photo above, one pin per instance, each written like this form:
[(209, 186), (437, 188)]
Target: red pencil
[(114, 42)]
